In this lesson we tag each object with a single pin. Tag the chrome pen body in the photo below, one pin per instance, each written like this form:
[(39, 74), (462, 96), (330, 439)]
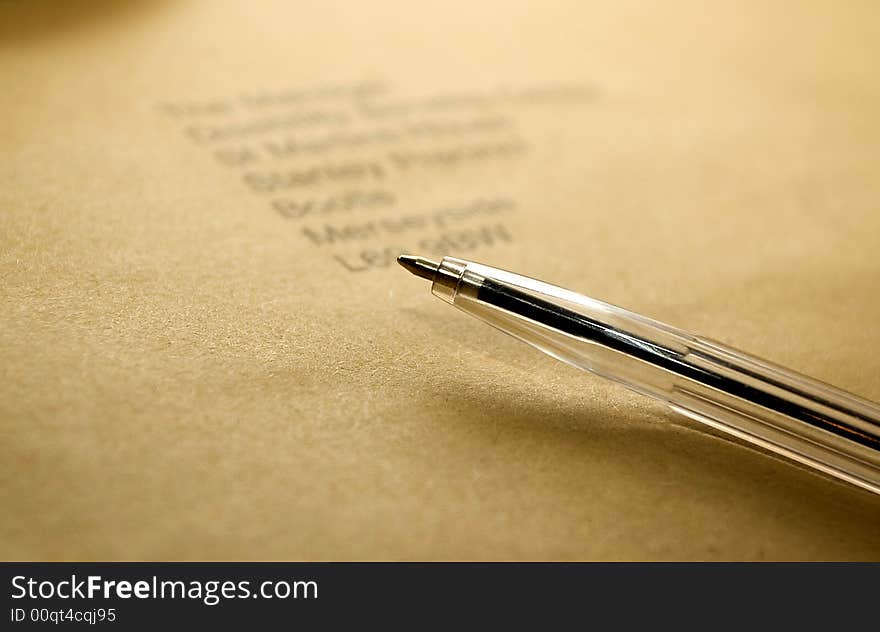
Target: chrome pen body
[(787, 413)]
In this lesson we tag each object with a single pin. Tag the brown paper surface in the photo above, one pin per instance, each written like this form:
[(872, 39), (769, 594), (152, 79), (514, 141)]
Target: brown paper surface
[(208, 352)]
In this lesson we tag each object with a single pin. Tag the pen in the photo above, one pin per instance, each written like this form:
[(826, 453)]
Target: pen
[(787, 413)]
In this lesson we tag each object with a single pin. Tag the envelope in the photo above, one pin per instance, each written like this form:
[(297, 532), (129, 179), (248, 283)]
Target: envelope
[(208, 351)]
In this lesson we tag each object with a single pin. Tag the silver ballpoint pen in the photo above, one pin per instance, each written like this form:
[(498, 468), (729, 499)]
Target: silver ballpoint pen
[(780, 410)]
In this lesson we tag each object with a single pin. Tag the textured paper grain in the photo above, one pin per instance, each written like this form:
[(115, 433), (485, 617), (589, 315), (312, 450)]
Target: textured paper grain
[(208, 353)]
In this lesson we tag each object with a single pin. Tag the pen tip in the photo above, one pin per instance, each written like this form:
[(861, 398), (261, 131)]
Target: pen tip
[(419, 266)]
